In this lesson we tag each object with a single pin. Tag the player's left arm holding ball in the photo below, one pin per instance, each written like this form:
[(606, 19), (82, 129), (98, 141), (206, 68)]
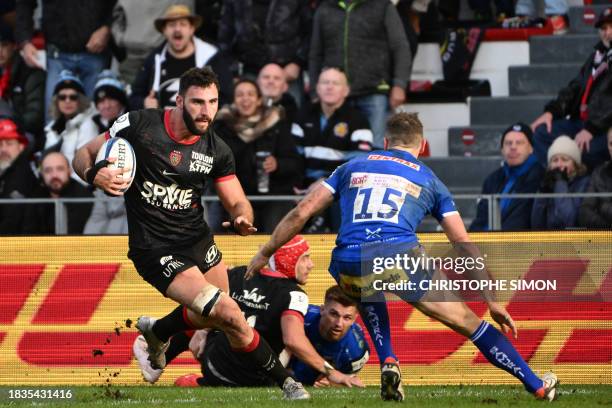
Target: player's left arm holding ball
[(110, 180)]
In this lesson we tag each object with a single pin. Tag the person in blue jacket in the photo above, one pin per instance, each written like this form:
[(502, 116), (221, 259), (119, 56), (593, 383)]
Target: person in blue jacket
[(520, 173)]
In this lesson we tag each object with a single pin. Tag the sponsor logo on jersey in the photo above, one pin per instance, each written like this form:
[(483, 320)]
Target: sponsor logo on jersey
[(341, 129), (359, 180), (251, 299), (164, 259), (171, 267), (211, 254), (175, 157), (200, 163), (253, 296), (394, 159), (168, 197)]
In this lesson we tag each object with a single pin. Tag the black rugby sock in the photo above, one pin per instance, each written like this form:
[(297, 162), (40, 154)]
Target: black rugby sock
[(171, 324), (178, 344), (261, 355)]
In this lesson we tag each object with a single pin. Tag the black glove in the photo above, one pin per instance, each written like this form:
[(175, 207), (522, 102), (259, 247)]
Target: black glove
[(91, 173), (550, 178)]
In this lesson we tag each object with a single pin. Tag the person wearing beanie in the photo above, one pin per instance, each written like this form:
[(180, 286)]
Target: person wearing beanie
[(22, 89), (16, 177), (274, 304), (520, 173), (565, 174), (72, 126), (581, 109), (596, 212), (110, 100)]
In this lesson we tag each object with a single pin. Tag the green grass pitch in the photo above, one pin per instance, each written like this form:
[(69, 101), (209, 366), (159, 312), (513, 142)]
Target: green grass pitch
[(416, 396)]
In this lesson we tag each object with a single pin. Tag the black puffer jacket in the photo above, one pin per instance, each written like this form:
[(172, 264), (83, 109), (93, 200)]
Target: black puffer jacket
[(18, 181), (596, 212), (257, 32), (66, 24), (26, 95), (366, 39), (568, 100)]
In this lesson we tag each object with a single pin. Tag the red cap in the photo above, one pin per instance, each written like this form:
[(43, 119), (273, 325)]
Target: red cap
[(9, 130), (285, 258)]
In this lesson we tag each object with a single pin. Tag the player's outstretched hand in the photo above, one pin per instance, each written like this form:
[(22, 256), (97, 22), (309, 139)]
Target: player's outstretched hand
[(503, 318), (321, 382), (240, 226), (258, 262), (112, 181), (336, 377)]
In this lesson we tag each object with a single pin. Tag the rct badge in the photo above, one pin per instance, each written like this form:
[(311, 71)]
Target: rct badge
[(211, 254), (341, 129), (175, 157)]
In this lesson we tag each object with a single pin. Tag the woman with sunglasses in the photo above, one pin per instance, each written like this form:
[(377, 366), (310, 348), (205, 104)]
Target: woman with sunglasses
[(72, 125)]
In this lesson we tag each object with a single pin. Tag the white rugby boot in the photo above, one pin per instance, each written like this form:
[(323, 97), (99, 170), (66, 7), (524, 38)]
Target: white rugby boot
[(155, 347)]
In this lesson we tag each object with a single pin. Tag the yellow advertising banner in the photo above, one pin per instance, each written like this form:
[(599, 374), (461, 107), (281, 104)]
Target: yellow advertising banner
[(68, 307)]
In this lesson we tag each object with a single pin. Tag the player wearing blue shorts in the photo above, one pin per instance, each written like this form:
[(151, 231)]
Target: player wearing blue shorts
[(384, 196)]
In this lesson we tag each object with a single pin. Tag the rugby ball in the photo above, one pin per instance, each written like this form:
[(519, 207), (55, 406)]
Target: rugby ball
[(123, 151)]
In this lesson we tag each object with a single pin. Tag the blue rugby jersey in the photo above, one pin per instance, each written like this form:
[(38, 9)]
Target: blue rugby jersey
[(383, 197), (348, 355)]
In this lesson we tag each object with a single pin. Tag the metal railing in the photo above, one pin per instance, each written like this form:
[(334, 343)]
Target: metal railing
[(494, 214)]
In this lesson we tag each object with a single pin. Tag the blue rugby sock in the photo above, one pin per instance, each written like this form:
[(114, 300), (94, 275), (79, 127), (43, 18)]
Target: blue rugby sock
[(502, 354), (376, 318)]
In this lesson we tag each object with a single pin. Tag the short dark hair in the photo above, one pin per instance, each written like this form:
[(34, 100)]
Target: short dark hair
[(404, 128), (335, 294), (202, 77), (248, 81)]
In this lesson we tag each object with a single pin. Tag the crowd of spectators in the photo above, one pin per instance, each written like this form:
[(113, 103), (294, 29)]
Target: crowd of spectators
[(300, 93)]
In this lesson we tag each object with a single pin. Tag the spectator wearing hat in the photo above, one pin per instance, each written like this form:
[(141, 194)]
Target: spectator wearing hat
[(586, 100), (77, 35), (520, 173), (110, 100), (71, 126), (157, 82), (596, 212), (55, 182), (22, 88), (133, 33), (565, 174), (16, 177)]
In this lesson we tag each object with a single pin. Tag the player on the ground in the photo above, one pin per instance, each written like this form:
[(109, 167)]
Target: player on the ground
[(171, 245), (332, 330), (383, 197), (275, 305)]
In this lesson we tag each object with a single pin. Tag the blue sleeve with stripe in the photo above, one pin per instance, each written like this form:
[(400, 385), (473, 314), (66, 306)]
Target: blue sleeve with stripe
[(444, 203)]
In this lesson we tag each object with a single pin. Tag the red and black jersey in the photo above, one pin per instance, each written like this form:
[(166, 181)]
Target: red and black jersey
[(263, 299), (163, 204)]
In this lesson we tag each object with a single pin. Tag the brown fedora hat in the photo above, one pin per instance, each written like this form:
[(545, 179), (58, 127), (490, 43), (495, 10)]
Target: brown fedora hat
[(176, 12)]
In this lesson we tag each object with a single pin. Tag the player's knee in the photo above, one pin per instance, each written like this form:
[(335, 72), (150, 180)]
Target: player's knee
[(207, 300), (229, 318)]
